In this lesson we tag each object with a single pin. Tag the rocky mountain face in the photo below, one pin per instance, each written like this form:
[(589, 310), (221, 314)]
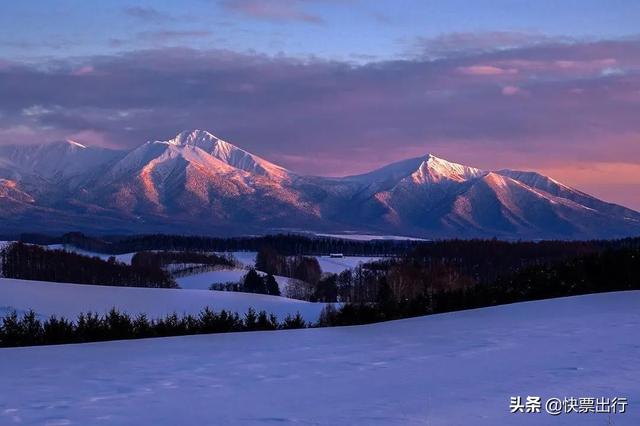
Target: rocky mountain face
[(198, 183)]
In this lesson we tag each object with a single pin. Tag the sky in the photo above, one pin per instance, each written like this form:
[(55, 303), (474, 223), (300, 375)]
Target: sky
[(338, 87)]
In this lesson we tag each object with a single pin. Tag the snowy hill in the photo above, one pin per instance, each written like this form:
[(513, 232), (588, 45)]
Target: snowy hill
[(47, 298), (198, 183), (455, 369)]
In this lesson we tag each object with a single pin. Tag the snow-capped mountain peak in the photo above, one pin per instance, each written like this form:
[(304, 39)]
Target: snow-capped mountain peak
[(434, 169), (228, 153), (200, 138)]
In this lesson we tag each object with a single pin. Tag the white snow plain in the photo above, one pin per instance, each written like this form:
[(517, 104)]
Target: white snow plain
[(204, 280), (68, 300), (452, 369), (335, 265)]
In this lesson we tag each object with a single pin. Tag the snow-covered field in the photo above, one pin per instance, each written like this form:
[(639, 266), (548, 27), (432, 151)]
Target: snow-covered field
[(452, 369), (203, 280), (69, 300), (245, 258), (337, 265)]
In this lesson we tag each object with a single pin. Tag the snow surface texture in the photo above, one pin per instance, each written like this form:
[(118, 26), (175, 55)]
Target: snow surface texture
[(452, 369), (68, 300)]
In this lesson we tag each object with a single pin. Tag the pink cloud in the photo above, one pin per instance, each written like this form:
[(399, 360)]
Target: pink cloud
[(486, 70), (573, 67), (275, 10), (512, 91), (85, 70)]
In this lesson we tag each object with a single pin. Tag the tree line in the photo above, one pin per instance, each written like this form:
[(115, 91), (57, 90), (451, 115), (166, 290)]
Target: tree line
[(160, 259), (31, 262), (297, 244), (29, 330), (287, 244), (610, 270)]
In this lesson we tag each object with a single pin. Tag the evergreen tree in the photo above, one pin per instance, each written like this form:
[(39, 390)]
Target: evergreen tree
[(251, 320), (31, 329), (119, 326), (11, 331), (291, 322), (266, 322), (90, 328), (141, 327), (272, 285), (58, 331), (253, 283)]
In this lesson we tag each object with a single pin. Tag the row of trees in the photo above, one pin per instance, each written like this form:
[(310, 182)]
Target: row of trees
[(160, 259), (288, 244), (29, 330), (31, 262), (611, 270)]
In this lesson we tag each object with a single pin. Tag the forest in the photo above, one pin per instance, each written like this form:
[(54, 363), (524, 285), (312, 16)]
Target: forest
[(413, 289), (32, 262)]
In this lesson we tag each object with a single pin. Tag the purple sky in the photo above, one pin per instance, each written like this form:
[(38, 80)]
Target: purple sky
[(566, 106)]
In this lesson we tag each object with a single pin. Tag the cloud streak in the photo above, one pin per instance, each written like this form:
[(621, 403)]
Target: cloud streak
[(148, 14)]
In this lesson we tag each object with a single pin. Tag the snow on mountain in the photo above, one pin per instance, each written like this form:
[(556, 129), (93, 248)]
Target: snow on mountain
[(55, 161), (435, 170), (428, 169), (228, 153), (196, 182), (460, 368), (555, 188), (199, 181), (9, 190)]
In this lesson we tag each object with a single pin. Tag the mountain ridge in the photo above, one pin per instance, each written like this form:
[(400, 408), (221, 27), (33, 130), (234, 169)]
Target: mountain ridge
[(196, 182)]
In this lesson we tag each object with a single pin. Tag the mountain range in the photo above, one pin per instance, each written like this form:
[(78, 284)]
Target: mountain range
[(198, 183)]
